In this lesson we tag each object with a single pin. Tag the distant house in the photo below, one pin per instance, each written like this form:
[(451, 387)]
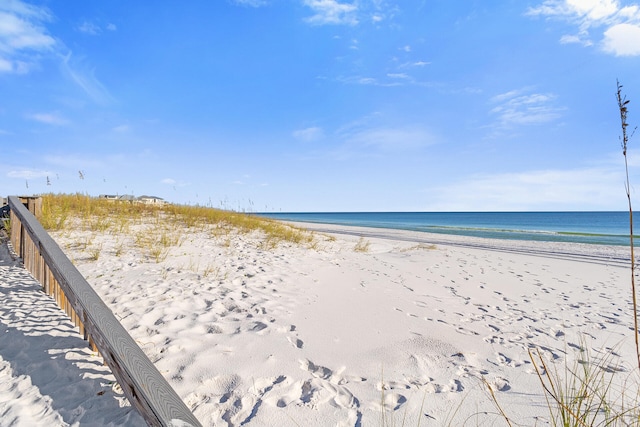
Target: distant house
[(147, 200), (151, 200)]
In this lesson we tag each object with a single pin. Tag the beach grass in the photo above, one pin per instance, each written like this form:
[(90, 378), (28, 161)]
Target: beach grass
[(161, 226), (6, 223), (362, 245), (587, 393)]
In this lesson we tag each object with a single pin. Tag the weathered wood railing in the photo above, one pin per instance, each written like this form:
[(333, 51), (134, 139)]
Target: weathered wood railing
[(141, 382)]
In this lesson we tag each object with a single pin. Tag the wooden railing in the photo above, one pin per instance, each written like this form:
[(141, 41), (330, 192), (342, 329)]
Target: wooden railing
[(142, 383)]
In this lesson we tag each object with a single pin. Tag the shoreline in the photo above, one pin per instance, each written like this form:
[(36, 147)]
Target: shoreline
[(592, 227), (588, 252)]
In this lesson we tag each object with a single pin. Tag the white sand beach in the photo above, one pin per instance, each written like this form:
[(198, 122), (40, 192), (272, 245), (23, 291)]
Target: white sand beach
[(402, 333)]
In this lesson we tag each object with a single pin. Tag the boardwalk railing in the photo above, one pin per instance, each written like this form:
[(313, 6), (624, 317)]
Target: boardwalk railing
[(142, 383)]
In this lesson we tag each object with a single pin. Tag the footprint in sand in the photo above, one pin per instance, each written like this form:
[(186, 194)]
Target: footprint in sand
[(393, 401), (455, 386), (500, 384), (297, 343), (316, 370), (464, 331), (257, 327)]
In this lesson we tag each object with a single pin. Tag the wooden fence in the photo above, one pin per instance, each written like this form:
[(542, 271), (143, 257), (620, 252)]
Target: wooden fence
[(144, 386)]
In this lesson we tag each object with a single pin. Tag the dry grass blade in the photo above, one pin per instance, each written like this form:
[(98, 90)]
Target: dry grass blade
[(624, 141), (552, 390), (495, 401)]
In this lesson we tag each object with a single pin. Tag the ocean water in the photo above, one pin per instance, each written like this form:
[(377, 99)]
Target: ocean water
[(609, 228)]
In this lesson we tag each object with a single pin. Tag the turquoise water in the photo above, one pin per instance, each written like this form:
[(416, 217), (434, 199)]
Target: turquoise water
[(609, 228)]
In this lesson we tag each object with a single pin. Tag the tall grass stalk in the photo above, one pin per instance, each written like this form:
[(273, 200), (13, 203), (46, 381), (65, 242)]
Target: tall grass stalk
[(624, 140)]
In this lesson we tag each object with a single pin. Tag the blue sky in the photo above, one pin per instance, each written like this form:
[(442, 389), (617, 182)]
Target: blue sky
[(321, 105)]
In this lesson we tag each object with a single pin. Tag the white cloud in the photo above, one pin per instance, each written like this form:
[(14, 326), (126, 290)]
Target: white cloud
[(308, 134), (331, 12), (622, 40), (594, 188), (414, 64), (49, 118), (393, 80), (252, 3), (518, 107), (28, 174), (89, 28), (591, 10), (169, 181), (398, 76), (619, 26), (22, 35), (568, 39), (594, 9), (112, 27)]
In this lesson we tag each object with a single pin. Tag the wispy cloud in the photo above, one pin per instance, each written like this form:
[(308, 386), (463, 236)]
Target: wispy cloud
[(401, 76), (353, 12), (93, 29), (308, 134), (520, 107), (618, 25), (331, 12), (390, 138), (85, 78), (588, 188), (28, 173), (415, 64), (370, 81), (251, 3), (22, 35), (54, 119), (370, 136), (89, 28)]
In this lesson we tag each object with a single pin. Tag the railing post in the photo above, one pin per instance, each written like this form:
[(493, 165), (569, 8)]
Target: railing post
[(16, 232), (34, 204)]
